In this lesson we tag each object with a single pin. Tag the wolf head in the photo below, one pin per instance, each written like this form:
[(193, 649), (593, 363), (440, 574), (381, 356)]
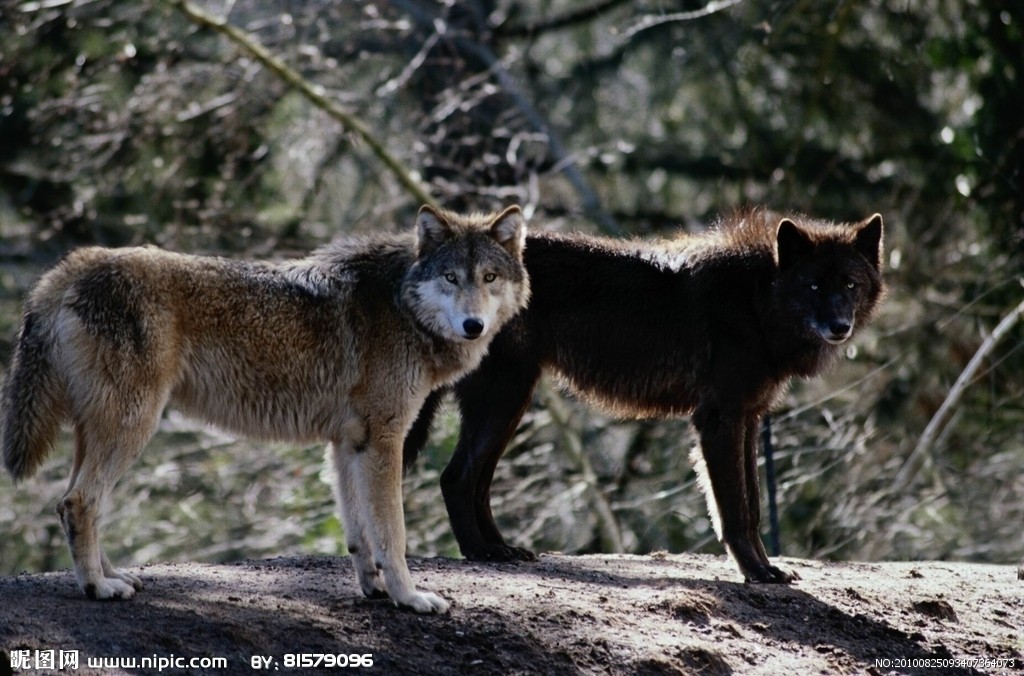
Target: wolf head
[(468, 278), (830, 277)]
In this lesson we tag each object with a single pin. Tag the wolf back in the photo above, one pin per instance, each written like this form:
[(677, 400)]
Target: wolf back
[(342, 346), (712, 325)]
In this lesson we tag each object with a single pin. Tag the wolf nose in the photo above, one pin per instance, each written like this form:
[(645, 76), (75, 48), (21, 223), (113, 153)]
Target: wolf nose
[(840, 328), (473, 327)]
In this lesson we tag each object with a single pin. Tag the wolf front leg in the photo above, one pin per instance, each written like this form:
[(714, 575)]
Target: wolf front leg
[(731, 488), (377, 477), (750, 453), (342, 456)]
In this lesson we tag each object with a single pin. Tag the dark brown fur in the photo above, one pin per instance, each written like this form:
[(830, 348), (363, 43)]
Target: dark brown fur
[(712, 325)]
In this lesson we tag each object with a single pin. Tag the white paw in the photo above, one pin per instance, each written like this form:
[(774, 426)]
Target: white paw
[(127, 578), (424, 602), (109, 588)]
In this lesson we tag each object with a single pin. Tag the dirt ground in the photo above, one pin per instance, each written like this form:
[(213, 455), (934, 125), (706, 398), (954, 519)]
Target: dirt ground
[(563, 614)]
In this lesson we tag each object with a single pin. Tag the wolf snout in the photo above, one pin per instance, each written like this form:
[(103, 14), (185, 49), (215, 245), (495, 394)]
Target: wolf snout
[(472, 328), (838, 330)]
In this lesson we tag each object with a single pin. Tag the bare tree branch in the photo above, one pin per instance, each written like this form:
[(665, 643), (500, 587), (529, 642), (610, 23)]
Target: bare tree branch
[(559, 21), (314, 93), (652, 20), (608, 526), (935, 426), (560, 157)]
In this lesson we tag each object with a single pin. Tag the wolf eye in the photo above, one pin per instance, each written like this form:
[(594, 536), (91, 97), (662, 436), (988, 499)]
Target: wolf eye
[(450, 276), (814, 287), (851, 285), (490, 277)]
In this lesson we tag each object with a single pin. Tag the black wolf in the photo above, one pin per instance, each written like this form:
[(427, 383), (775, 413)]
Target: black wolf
[(713, 325)]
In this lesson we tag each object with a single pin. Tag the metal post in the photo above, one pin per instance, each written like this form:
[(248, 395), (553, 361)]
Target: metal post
[(774, 548)]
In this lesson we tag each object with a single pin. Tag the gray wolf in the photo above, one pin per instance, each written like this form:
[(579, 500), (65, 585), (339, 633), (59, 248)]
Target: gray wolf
[(713, 325), (342, 346)]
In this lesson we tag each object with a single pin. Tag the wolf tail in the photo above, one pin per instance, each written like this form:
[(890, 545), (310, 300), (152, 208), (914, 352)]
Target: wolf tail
[(31, 400)]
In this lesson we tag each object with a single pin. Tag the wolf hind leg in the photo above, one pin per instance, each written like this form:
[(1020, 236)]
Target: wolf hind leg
[(492, 402), (343, 458), (80, 515), (378, 486), (105, 446)]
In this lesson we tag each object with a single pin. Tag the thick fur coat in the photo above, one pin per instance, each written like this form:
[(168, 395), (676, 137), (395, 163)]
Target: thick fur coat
[(343, 346), (712, 325)]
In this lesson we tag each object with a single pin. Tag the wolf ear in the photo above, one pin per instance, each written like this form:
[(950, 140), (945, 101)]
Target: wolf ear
[(791, 244), (869, 240), (509, 230), (432, 229)]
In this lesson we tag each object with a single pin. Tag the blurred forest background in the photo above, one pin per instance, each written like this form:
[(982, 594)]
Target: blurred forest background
[(127, 123)]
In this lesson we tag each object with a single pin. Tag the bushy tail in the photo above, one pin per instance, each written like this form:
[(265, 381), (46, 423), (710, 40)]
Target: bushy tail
[(31, 401)]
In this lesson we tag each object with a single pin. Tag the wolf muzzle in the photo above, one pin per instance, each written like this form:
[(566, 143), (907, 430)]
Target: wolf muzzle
[(472, 328), (836, 331)]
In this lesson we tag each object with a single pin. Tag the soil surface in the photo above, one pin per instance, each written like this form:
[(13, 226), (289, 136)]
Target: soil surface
[(563, 614)]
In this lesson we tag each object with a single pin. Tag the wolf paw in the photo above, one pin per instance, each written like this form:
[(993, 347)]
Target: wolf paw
[(425, 603), (127, 578), (109, 589), (500, 553), (771, 575), (371, 582), (520, 554)]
